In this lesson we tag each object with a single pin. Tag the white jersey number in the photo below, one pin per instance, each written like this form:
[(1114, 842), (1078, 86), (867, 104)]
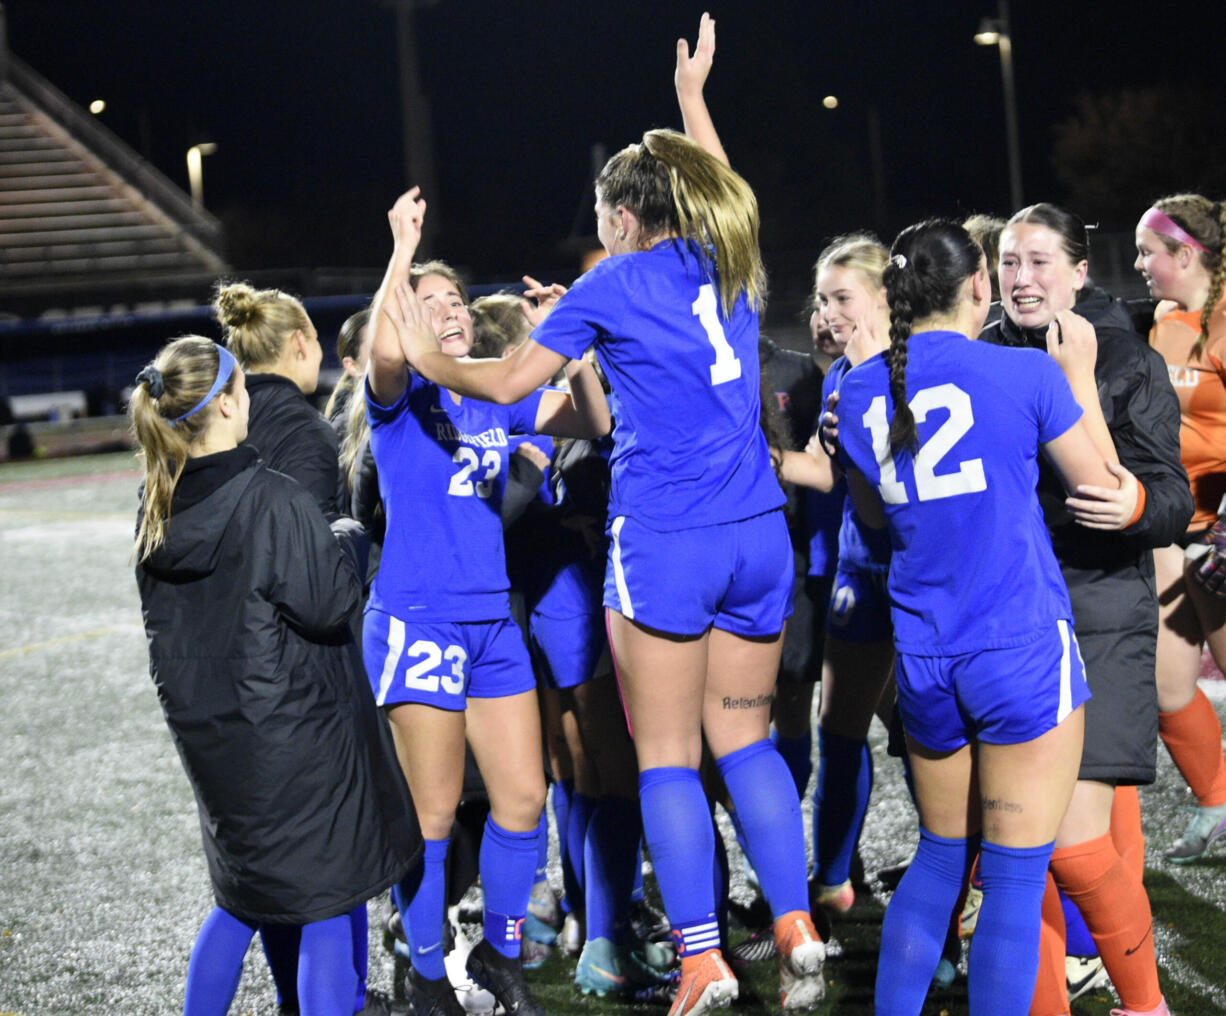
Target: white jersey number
[(418, 676), (726, 366), (969, 476), (462, 484)]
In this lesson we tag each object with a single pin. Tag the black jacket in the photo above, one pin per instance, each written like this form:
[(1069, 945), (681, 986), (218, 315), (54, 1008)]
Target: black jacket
[(303, 808), (293, 437), (1110, 575)]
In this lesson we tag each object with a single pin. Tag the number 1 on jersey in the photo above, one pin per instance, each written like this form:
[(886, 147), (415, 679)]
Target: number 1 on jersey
[(726, 366)]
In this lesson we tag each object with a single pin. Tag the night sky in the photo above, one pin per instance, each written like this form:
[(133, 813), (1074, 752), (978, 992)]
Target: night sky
[(302, 99)]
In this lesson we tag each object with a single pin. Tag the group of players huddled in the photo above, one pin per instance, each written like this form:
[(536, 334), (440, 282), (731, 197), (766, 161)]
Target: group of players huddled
[(1009, 549)]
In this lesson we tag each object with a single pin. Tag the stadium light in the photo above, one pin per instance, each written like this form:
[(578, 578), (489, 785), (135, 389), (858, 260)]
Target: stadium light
[(98, 106), (995, 32), (195, 170)]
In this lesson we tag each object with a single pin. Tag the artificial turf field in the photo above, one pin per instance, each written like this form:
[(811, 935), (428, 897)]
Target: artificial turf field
[(102, 879)]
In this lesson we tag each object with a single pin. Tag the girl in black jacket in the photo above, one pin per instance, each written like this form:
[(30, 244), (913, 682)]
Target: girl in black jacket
[(1103, 540), (246, 599)]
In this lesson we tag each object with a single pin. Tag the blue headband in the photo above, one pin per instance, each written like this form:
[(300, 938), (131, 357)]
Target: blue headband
[(225, 367)]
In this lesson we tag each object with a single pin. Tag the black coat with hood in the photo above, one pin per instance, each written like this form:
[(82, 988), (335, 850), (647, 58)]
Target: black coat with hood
[(303, 808), (294, 438), (1110, 575)]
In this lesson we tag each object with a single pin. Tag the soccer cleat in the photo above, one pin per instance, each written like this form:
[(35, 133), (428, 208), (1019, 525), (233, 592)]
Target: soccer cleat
[(837, 899), (947, 968), (532, 954), (601, 970), (572, 935), (648, 923), (504, 978), (663, 992), (710, 984), (1205, 826), (1162, 1010), (757, 947), (538, 930), (425, 998), (802, 955), (1085, 974)]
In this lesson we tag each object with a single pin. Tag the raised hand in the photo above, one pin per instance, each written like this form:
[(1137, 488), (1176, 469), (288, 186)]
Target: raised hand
[(414, 328), (692, 71), (406, 217), (544, 296)]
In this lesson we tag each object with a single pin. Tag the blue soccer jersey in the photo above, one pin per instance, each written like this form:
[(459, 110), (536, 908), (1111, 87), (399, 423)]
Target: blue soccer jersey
[(861, 548), (688, 449), (442, 472), (972, 567)]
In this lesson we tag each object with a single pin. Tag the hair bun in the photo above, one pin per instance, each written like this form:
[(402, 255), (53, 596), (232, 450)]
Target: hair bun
[(152, 377), (236, 304)]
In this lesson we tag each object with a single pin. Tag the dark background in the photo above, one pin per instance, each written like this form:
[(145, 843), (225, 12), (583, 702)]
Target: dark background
[(302, 99)]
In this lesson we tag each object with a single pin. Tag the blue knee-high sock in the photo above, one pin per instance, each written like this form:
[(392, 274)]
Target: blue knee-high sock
[(769, 812), (797, 755), (359, 933), (610, 855), (325, 968), (677, 827), (216, 964), (559, 799), (282, 943), (1004, 959), (913, 931), (840, 800), (576, 833), (723, 883), (1077, 940), (421, 899), (507, 862)]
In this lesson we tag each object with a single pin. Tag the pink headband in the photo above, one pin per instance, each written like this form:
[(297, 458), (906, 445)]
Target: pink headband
[(1162, 223)]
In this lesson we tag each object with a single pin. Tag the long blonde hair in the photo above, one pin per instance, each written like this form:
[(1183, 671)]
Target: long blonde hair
[(673, 186), (182, 374), (258, 322)]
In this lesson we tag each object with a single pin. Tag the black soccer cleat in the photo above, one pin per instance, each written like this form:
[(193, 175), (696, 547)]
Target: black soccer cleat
[(504, 978), (429, 997)]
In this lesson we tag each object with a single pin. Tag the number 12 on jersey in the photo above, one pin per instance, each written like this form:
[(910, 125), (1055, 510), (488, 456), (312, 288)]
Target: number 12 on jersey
[(929, 485)]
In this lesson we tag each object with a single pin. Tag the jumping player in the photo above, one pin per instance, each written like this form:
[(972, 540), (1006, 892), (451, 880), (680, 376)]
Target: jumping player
[(700, 566)]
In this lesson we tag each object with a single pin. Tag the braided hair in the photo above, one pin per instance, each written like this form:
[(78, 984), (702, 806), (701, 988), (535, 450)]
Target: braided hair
[(1205, 221), (929, 263)]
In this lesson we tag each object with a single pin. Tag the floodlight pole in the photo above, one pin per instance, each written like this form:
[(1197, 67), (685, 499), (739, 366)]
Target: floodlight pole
[(1005, 44)]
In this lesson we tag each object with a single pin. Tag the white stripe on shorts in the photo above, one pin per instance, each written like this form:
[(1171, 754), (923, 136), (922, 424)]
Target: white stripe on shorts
[(1066, 675), (619, 573), (395, 649)]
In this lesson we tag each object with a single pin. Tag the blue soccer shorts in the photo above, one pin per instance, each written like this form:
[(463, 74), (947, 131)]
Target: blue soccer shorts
[(566, 650), (859, 608), (736, 576), (443, 663), (998, 696)]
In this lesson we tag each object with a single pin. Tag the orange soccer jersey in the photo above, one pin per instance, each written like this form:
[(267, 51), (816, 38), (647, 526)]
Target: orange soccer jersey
[(1200, 383)]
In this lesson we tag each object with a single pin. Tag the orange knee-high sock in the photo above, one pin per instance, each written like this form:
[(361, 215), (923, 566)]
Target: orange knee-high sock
[(1051, 986), (1193, 736), (1126, 831), (1116, 910)]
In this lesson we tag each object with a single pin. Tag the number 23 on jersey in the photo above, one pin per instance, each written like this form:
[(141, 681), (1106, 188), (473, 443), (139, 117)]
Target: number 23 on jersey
[(930, 485)]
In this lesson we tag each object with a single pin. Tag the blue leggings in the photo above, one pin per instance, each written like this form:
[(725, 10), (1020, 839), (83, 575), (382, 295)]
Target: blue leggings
[(327, 982)]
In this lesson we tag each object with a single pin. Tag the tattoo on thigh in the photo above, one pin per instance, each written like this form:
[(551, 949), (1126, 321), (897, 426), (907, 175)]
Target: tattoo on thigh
[(996, 804), (757, 702)]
